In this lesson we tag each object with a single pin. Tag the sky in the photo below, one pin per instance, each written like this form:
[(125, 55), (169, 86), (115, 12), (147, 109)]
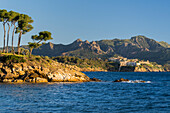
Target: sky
[(90, 20)]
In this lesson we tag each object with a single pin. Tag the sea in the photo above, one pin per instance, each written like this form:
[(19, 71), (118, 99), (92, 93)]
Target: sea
[(107, 96)]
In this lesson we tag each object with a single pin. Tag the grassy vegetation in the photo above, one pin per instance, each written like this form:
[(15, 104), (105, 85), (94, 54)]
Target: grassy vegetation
[(13, 54), (12, 59), (87, 63)]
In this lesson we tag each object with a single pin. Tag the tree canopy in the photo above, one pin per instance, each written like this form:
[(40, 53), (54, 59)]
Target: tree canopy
[(21, 23), (4, 19), (24, 24), (43, 36), (3, 15)]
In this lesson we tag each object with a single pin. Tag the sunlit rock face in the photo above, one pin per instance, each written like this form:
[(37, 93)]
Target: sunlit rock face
[(41, 71)]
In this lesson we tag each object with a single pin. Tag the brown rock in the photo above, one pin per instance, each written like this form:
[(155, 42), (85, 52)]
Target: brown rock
[(24, 67), (56, 77), (1, 65), (40, 80), (17, 69), (10, 76), (7, 80), (30, 68), (121, 80), (1, 74), (31, 80), (73, 79), (21, 72), (18, 81), (142, 81), (6, 70), (95, 80), (33, 75), (36, 72), (117, 81), (28, 80)]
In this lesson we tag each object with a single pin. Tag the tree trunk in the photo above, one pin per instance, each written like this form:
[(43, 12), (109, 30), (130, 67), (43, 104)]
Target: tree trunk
[(31, 51), (13, 39), (9, 27), (4, 37), (19, 41)]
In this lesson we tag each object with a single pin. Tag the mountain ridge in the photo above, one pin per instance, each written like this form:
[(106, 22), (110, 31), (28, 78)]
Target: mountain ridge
[(139, 47)]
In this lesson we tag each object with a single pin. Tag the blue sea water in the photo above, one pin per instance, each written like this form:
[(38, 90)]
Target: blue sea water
[(99, 97)]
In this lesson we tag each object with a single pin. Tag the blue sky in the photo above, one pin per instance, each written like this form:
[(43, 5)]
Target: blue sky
[(90, 20)]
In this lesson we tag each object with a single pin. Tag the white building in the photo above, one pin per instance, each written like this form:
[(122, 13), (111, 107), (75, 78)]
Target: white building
[(131, 64)]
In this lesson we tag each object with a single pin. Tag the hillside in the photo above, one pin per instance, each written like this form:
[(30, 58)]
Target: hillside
[(139, 47), (119, 65)]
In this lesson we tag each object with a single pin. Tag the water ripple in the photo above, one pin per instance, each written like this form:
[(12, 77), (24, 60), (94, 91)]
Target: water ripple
[(91, 96)]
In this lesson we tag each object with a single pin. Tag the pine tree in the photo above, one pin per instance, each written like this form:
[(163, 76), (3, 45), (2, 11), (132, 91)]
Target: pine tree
[(43, 36), (24, 26)]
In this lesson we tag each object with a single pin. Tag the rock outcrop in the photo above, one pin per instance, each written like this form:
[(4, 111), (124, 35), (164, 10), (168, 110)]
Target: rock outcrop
[(121, 80), (95, 80), (131, 81), (40, 71)]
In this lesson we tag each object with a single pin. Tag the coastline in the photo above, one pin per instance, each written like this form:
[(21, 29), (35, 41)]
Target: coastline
[(20, 69), (36, 69)]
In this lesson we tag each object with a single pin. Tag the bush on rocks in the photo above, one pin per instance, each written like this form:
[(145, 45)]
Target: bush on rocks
[(12, 59)]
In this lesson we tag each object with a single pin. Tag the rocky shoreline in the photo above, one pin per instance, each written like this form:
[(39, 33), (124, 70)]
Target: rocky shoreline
[(125, 69), (40, 71), (24, 69), (36, 74)]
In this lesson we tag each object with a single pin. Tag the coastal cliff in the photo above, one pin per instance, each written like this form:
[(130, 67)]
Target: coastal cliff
[(141, 69), (20, 68), (149, 69)]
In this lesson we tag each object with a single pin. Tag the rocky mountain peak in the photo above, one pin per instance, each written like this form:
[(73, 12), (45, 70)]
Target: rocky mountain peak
[(93, 42), (87, 42), (78, 40), (51, 45), (139, 38)]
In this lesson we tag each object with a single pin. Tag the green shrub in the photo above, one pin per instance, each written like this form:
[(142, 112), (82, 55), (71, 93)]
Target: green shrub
[(50, 61), (12, 59), (38, 58), (46, 58)]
